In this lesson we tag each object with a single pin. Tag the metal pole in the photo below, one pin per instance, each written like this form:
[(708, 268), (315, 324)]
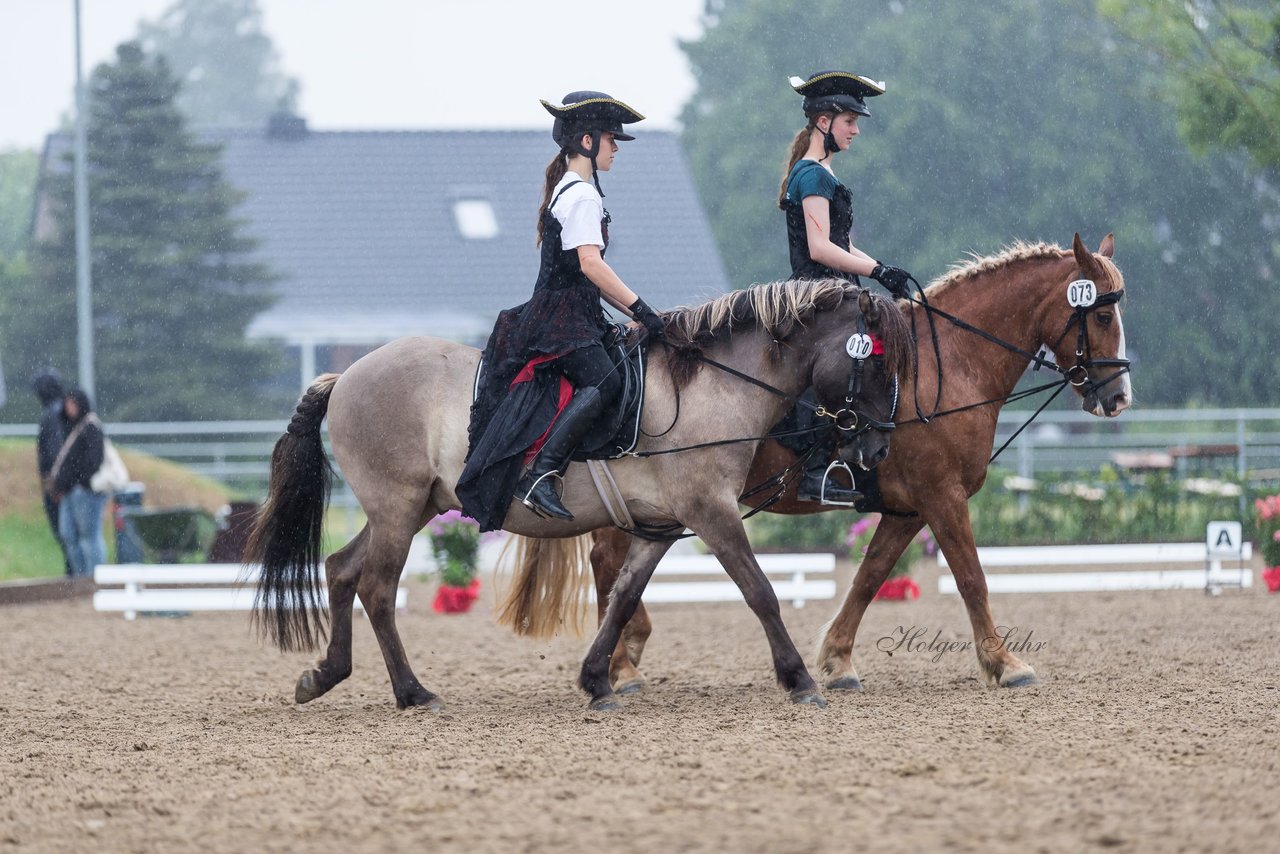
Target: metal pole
[(84, 293)]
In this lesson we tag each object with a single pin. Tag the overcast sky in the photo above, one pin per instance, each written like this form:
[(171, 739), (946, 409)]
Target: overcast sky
[(385, 64)]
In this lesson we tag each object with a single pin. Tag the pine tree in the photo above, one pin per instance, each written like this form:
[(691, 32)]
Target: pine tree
[(175, 285), (228, 66)]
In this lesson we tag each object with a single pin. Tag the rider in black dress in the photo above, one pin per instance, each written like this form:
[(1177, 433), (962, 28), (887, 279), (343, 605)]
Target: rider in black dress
[(819, 214), (559, 332)]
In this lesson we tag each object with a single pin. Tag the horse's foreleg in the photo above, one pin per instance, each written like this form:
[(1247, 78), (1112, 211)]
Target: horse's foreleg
[(835, 656), (388, 548), (342, 570), (642, 558), (723, 533), (608, 551), (955, 538)]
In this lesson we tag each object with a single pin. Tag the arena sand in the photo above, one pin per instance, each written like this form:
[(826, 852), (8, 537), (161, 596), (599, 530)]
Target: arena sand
[(1156, 728)]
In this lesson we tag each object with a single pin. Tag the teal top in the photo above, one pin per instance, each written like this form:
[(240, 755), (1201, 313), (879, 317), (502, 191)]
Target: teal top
[(810, 178)]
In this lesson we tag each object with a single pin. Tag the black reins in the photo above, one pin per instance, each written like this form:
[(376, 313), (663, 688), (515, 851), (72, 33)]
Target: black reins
[(1083, 297)]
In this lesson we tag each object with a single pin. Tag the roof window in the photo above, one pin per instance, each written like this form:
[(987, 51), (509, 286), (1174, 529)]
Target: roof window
[(475, 219)]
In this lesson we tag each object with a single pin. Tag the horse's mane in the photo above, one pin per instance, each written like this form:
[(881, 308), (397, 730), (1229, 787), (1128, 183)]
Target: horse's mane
[(777, 308), (980, 264), (1019, 251)]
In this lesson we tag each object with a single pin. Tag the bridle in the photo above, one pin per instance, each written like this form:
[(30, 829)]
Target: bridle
[(850, 421), (1082, 295)]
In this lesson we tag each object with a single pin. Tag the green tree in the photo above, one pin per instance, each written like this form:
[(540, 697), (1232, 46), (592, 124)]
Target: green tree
[(174, 282), (1013, 119), (17, 188), (229, 68), (1223, 64)]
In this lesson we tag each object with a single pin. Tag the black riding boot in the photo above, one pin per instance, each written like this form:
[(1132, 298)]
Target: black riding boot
[(811, 486), (535, 489)]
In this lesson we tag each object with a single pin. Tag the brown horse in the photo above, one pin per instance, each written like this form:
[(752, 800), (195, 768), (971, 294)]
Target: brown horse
[(1019, 296), (398, 426)]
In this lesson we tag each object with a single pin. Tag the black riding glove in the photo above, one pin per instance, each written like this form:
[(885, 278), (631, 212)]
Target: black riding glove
[(653, 324), (894, 279)]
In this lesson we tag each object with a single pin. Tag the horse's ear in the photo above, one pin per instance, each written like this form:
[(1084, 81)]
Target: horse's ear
[(1084, 258), (868, 306), (1108, 246)]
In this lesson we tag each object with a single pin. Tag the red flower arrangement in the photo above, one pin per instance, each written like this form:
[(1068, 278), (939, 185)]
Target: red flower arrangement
[(902, 587), (1269, 533), (456, 600), (455, 539)]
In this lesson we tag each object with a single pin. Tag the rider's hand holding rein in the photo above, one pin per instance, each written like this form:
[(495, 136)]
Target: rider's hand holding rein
[(819, 207)]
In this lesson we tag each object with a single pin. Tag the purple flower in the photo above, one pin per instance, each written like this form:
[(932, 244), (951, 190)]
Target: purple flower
[(447, 520)]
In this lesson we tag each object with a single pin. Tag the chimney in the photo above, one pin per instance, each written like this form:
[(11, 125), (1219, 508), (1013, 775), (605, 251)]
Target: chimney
[(286, 126)]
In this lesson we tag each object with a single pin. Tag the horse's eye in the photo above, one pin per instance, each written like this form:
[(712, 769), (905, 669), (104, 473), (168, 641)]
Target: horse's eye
[(1104, 318)]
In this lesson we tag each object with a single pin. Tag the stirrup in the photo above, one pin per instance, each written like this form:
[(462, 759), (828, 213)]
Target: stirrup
[(534, 506), (826, 478)]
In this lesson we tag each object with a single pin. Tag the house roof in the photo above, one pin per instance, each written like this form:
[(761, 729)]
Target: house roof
[(361, 227)]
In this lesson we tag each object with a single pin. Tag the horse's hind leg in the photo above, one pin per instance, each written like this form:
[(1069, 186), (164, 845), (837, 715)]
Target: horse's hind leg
[(388, 547), (835, 657), (342, 569), (608, 551)]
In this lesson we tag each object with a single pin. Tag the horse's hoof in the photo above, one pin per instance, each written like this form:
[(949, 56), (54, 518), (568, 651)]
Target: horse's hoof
[(631, 686), (306, 689), (423, 699), (811, 697), (607, 703), (1026, 680), (847, 682)]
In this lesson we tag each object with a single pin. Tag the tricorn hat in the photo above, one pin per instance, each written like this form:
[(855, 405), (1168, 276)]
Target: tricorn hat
[(837, 92), (587, 111)]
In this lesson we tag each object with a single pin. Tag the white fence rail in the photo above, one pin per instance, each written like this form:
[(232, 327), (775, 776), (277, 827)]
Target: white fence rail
[(1158, 557), (148, 588)]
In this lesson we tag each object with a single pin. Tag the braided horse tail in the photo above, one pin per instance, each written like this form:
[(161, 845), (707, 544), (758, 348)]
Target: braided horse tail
[(285, 538)]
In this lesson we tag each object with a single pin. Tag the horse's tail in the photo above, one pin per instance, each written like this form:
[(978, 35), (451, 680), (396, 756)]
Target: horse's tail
[(549, 586), (285, 538)]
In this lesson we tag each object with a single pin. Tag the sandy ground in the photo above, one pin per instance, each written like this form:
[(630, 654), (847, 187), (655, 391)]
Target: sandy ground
[(1156, 728)]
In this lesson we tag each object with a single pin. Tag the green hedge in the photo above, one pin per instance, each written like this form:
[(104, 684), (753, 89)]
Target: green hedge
[(1054, 510)]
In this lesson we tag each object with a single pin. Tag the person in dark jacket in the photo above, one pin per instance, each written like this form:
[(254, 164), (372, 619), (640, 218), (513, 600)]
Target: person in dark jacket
[(53, 429), (79, 507)]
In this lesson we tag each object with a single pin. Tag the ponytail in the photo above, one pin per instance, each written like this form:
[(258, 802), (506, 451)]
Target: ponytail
[(799, 146), (555, 171)]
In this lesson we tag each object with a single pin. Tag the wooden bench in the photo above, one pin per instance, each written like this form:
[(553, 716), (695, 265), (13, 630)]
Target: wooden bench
[(1210, 574), (790, 574), (179, 587)]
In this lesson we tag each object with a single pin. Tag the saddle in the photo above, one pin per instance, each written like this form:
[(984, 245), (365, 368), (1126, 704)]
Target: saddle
[(618, 430)]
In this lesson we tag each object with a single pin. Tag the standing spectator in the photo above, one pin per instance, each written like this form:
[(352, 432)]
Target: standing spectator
[(53, 430), (80, 508)]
